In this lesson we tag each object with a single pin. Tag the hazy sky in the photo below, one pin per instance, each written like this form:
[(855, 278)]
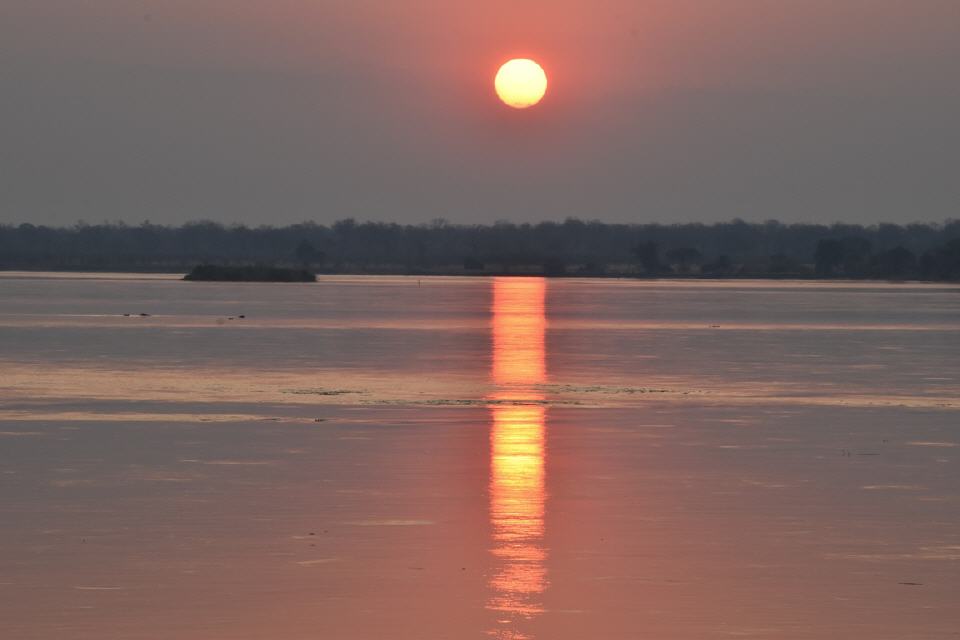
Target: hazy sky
[(664, 110)]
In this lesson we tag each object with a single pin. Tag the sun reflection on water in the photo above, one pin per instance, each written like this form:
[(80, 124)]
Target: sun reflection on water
[(517, 455)]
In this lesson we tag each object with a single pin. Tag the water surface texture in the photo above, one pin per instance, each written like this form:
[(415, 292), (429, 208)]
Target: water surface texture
[(438, 458)]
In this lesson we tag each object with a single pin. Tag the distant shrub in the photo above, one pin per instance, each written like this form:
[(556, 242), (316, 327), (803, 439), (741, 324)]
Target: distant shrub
[(254, 273)]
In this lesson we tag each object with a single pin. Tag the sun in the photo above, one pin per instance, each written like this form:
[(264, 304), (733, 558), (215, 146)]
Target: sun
[(521, 83)]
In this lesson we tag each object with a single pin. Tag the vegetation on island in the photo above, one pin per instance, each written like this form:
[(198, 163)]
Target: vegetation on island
[(735, 249), (248, 273)]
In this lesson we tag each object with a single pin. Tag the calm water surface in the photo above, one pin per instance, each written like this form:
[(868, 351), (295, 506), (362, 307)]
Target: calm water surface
[(371, 458)]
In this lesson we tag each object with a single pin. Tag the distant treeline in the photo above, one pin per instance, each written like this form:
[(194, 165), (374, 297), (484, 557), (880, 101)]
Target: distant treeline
[(573, 247)]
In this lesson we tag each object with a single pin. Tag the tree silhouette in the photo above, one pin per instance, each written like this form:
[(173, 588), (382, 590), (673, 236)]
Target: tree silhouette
[(684, 257), (648, 255), (895, 263), (829, 257), (725, 249), (308, 255)]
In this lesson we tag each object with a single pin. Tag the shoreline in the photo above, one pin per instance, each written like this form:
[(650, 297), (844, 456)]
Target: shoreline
[(497, 274)]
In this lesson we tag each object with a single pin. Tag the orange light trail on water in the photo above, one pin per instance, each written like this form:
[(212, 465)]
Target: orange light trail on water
[(518, 454)]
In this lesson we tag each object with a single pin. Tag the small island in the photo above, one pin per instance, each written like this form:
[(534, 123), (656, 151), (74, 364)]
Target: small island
[(248, 273)]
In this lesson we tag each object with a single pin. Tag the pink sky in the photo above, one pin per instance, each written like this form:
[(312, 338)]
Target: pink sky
[(662, 110)]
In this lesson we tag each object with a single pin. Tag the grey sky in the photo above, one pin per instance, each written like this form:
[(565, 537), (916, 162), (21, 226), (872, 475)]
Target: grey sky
[(669, 110)]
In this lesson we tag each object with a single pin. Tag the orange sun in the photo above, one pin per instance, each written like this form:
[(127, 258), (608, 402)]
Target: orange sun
[(521, 83)]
